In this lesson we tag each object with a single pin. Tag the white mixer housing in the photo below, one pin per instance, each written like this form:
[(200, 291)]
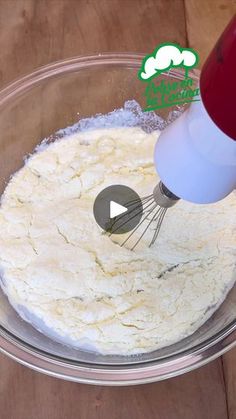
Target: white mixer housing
[(195, 159)]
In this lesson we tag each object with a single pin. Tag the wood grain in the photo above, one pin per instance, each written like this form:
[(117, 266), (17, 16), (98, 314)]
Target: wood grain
[(36, 32), (229, 364), (205, 21), (25, 394)]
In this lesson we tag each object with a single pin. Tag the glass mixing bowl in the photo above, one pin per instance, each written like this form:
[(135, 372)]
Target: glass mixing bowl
[(33, 108)]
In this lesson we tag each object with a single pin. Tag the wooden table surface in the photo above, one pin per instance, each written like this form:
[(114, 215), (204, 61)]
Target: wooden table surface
[(36, 32)]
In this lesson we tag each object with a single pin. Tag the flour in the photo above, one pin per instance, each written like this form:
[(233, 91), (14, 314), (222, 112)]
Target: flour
[(62, 273)]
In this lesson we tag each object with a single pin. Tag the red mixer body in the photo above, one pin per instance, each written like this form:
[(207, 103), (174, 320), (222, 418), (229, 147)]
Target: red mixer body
[(218, 82), (195, 156)]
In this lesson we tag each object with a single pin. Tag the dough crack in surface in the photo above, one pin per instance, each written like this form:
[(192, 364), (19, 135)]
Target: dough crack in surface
[(62, 273)]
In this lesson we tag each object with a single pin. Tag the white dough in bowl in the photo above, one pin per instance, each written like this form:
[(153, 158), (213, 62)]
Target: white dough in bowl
[(61, 272)]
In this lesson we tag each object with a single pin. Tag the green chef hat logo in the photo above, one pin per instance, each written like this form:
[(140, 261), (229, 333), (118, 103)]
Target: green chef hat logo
[(166, 56)]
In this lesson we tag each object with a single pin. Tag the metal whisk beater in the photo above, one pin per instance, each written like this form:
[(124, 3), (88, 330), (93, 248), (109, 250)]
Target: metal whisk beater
[(154, 206)]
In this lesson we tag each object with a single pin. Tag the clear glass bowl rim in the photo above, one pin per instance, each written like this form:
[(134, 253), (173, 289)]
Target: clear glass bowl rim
[(148, 371)]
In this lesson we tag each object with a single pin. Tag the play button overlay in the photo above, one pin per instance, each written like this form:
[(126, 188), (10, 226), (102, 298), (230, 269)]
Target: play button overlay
[(118, 209)]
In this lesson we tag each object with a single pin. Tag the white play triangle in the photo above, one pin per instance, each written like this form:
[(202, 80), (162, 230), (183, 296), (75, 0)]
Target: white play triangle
[(116, 209)]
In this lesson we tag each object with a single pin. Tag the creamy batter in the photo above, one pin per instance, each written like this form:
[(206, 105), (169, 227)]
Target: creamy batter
[(60, 271)]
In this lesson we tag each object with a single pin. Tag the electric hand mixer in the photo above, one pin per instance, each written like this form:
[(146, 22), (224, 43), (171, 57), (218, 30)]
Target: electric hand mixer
[(195, 156)]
